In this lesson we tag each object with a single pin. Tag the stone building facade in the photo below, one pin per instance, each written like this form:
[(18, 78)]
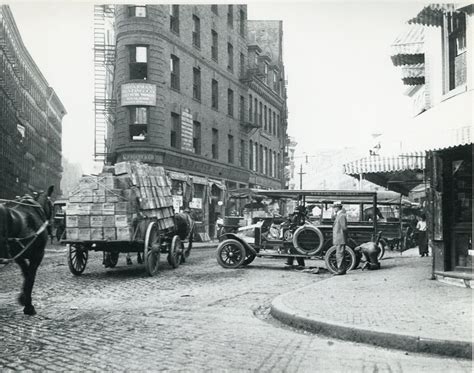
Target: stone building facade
[(186, 82), (30, 118)]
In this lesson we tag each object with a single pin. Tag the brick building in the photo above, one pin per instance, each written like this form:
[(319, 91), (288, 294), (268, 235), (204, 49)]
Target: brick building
[(200, 90), (30, 118)]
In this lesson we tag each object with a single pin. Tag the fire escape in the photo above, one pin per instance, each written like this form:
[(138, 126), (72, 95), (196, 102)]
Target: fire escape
[(104, 63)]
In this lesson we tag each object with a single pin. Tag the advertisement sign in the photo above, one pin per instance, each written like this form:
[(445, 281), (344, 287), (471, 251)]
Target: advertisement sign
[(138, 94), (196, 203), (187, 130), (177, 203)]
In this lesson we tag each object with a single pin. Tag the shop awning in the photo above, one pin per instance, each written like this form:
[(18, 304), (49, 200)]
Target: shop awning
[(413, 74), (397, 173), (408, 47), (432, 15)]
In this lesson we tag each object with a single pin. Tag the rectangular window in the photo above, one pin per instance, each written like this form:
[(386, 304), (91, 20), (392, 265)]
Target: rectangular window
[(275, 81), (230, 150), (138, 114), (242, 65), (255, 112), (275, 124), (196, 31), (215, 95), (242, 108), (197, 84), (230, 102), (260, 160), (215, 144), (214, 46), (265, 72), (265, 117), (455, 42), (138, 62), (260, 114), (230, 15), (230, 57), (250, 109), (242, 23), (174, 67), (175, 137), (242, 153), (137, 11), (278, 125), (214, 9), (270, 120), (251, 155), (197, 137), (174, 18)]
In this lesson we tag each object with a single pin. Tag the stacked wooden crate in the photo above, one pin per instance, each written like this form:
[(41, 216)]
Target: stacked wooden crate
[(106, 207)]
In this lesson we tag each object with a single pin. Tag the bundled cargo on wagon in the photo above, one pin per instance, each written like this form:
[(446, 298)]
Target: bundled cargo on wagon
[(128, 207)]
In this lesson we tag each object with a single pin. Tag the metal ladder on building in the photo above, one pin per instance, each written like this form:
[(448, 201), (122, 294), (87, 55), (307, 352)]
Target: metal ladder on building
[(104, 63)]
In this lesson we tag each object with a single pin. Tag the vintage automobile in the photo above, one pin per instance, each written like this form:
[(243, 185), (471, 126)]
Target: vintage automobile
[(307, 231)]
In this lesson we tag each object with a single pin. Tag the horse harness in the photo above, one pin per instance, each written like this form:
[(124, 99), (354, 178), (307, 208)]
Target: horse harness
[(19, 241)]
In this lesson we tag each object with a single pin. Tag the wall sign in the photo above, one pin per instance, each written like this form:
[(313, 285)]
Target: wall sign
[(187, 130), (138, 94)]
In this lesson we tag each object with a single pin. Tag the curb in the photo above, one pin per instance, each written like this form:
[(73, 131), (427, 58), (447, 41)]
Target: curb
[(388, 340)]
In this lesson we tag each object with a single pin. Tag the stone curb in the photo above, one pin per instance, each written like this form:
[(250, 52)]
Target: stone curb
[(389, 340)]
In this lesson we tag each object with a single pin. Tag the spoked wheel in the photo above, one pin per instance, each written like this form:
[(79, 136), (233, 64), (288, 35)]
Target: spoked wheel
[(249, 259), (381, 245), (152, 249), (111, 259), (176, 251), (230, 254), (77, 258), (348, 263)]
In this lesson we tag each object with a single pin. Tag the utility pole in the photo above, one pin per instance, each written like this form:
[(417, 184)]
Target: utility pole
[(301, 173)]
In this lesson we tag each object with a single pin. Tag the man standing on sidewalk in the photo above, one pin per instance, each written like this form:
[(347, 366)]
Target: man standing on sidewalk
[(339, 235)]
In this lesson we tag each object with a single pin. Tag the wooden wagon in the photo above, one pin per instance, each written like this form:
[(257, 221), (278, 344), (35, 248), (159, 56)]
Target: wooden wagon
[(127, 208)]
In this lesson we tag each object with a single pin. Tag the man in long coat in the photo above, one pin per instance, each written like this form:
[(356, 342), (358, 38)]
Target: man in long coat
[(339, 235)]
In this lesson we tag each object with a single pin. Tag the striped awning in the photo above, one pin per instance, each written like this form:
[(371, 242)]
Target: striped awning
[(413, 74), (376, 164), (408, 47), (432, 15)]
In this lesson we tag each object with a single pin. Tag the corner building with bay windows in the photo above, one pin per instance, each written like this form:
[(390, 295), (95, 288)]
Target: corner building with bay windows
[(200, 90)]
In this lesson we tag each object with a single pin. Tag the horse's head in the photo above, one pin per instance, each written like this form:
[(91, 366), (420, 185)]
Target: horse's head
[(44, 199)]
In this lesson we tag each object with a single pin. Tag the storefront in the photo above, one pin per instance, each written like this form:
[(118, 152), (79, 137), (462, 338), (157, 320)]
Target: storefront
[(450, 213)]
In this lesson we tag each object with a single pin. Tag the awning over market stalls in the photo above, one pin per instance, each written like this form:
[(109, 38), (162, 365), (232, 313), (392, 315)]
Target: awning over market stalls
[(409, 47), (398, 173), (432, 14)]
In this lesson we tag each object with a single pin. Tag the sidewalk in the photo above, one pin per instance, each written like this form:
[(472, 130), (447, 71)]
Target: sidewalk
[(395, 307)]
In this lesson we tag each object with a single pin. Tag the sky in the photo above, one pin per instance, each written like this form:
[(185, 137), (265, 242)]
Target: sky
[(342, 86)]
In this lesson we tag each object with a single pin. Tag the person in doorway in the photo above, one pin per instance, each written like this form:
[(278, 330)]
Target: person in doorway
[(422, 236), (339, 235)]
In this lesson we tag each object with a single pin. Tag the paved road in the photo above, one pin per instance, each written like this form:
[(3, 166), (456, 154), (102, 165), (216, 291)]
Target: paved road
[(194, 318)]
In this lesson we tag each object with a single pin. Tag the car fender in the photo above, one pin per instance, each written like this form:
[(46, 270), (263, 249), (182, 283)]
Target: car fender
[(233, 236)]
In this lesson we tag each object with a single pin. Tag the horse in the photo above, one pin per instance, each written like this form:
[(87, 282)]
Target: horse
[(23, 238), (184, 228)]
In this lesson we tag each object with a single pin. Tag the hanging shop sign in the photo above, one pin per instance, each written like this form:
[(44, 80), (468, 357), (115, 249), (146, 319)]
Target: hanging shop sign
[(196, 203), (177, 176), (187, 130), (199, 180), (177, 203), (138, 94)]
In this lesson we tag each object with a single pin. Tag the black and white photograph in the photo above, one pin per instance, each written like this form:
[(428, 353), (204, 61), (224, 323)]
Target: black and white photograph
[(252, 186)]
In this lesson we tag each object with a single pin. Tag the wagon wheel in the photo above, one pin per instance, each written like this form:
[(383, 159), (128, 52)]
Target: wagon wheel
[(77, 258), (176, 251), (348, 263), (111, 259), (151, 252), (230, 254)]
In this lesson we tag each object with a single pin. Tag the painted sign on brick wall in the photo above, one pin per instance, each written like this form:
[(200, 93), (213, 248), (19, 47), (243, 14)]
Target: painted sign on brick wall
[(139, 94), (187, 130)]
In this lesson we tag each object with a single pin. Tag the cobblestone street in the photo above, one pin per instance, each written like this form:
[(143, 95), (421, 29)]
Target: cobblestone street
[(194, 318)]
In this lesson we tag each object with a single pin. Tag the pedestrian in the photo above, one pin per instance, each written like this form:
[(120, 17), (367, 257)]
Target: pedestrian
[(299, 260), (422, 236), (339, 235)]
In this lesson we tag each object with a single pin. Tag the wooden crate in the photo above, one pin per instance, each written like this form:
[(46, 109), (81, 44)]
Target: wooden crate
[(97, 234), (122, 221), (84, 234), (72, 221), (109, 233), (83, 221), (108, 221), (97, 221), (124, 233), (72, 233), (108, 208)]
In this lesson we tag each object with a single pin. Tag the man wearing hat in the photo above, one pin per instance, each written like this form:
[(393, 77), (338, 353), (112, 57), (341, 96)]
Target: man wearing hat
[(339, 235)]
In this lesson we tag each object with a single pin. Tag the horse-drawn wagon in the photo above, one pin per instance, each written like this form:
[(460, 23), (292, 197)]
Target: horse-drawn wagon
[(126, 209)]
